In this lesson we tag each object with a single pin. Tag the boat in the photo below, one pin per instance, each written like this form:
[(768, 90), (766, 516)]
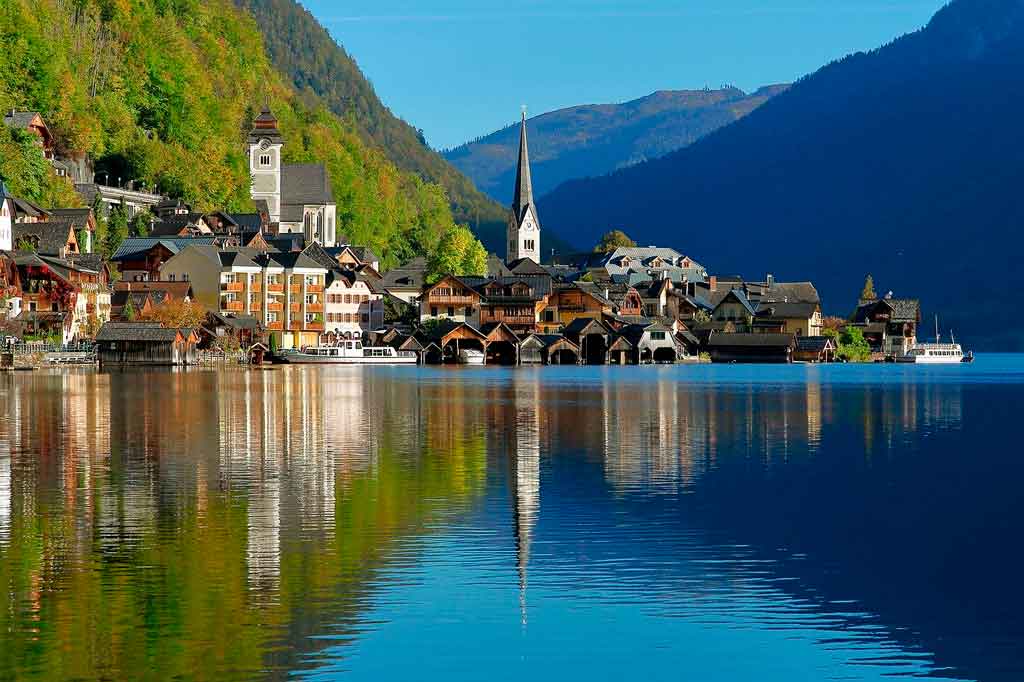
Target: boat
[(349, 353), (937, 353), (469, 356)]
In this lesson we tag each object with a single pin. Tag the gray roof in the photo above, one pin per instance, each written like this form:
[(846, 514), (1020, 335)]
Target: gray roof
[(77, 217), (365, 254), (813, 343), (296, 259), (51, 236), (133, 246), (527, 266), (20, 119), (740, 296), (723, 340), (903, 309), (523, 197), (136, 331), (305, 184), (408, 276), (801, 311)]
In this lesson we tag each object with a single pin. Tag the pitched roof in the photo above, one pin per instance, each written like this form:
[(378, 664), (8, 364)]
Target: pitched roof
[(247, 222), (580, 324), (523, 197), (136, 331), (51, 236), (527, 266), (305, 184), (740, 297), (411, 275), (750, 340), (800, 311), (365, 254), (134, 246), (77, 217), (296, 259), (814, 343), (20, 119)]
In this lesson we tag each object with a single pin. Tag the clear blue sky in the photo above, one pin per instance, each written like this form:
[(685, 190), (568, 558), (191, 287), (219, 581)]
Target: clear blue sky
[(463, 68)]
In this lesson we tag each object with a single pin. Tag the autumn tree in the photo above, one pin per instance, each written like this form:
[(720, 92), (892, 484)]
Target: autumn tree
[(612, 240), (179, 314), (868, 292)]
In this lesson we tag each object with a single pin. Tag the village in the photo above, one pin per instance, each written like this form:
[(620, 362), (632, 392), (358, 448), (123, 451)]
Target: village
[(256, 286)]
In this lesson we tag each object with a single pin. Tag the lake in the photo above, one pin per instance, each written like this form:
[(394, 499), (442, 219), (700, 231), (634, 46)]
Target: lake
[(340, 523)]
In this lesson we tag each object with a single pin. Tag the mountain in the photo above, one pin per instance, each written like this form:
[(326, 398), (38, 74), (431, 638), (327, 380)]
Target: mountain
[(164, 92), (596, 139), (905, 162), (302, 49)]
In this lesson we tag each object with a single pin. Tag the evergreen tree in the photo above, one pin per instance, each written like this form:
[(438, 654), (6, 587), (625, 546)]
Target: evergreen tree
[(117, 230), (868, 292)]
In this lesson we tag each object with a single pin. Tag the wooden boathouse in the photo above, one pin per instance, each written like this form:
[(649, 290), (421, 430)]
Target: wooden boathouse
[(145, 343)]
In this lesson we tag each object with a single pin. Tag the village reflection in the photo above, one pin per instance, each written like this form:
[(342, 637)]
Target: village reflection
[(208, 523)]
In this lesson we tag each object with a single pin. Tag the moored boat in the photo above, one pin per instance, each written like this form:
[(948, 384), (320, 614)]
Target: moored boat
[(349, 353), (469, 356), (937, 353)]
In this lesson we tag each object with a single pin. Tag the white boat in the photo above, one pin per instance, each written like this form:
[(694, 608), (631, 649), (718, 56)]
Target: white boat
[(469, 356), (936, 353), (349, 353)]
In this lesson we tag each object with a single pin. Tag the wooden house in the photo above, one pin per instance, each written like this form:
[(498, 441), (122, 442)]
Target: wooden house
[(569, 302), (814, 349), (746, 347), (450, 299), (548, 349), (799, 319), (145, 343), (593, 338), (889, 324), (736, 308), (514, 301)]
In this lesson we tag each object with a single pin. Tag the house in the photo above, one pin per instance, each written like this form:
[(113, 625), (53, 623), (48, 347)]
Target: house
[(7, 209), (164, 291), (592, 337), (814, 349), (129, 306), (800, 319), (81, 220), (569, 302), (514, 301), (651, 343), (138, 259), (749, 347), (406, 281), (649, 263), (354, 257), (50, 238), (186, 225), (449, 337), (352, 307), (142, 298), (299, 197), (32, 123), (132, 200), (62, 297), (283, 290), (735, 308), (889, 324), (245, 330), (450, 298), (548, 349), (145, 343)]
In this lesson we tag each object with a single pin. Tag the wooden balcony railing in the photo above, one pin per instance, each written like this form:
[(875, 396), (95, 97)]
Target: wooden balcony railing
[(314, 326), (315, 288), (314, 307), (277, 307), (295, 307), (234, 306), (278, 326), (451, 300), (275, 288), (231, 286)]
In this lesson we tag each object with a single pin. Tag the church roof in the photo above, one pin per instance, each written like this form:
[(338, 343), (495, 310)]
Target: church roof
[(303, 184), (523, 198), (265, 126)]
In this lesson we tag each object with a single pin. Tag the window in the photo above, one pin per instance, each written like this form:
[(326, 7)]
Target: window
[(310, 298), (271, 317), (265, 160), (312, 280), (549, 315), (366, 318), (433, 311), (657, 336), (451, 311), (172, 276), (348, 298)]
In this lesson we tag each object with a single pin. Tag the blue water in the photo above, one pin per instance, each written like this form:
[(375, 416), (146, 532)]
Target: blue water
[(701, 523)]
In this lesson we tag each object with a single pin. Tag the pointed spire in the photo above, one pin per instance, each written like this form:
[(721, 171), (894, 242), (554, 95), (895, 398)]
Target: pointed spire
[(523, 198)]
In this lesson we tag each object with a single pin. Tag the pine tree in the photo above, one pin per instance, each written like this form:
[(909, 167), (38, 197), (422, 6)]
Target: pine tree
[(868, 292)]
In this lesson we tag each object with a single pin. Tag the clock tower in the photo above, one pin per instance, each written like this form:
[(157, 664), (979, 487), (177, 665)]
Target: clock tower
[(523, 222), (265, 142)]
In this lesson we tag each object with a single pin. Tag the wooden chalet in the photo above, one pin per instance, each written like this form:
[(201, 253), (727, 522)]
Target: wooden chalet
[(889, 324), (751, 348), (452, 299), (145, 343), (514, 301)]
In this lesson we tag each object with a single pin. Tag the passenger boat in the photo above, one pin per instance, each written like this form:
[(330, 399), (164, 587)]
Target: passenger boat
[(469, 356), (937, 353), (349, 353)]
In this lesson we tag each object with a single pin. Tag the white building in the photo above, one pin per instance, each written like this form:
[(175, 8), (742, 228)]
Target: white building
[(6, 219), (523, 223), (298, 196), (352, 308)]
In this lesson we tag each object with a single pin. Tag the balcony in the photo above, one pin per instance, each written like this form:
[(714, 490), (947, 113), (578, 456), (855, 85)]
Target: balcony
[(255, 307), (313, 326), (256, 287), (232, 286), (295, 307), (460, 301), (315, 288), (275, 307), (314, 307), (233, 306), (275, 288), (275, 326), (295, 289)]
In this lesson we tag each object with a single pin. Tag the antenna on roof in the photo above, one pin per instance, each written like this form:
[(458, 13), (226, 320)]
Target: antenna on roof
[(523, 107)]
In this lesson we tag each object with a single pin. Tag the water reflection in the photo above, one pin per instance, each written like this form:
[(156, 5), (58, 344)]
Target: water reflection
[(234, 525)]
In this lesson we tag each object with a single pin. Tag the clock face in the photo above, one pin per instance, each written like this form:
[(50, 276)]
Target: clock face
[(264, 144)]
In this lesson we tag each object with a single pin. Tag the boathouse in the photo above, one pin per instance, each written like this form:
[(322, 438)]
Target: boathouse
[(145, 343), (751, 347)]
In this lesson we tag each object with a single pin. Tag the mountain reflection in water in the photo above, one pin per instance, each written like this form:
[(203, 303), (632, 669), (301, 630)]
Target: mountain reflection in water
[(705, 523)]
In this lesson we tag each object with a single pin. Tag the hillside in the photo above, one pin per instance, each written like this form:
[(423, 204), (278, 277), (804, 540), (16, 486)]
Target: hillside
[(302, 49), (596, 139), (905, 162), (164, 92)]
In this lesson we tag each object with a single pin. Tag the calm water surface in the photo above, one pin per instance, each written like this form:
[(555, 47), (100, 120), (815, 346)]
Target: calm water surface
[(697, 523)]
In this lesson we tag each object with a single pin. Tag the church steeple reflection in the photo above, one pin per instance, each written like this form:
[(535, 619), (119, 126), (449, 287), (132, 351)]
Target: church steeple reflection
[(525, 479)]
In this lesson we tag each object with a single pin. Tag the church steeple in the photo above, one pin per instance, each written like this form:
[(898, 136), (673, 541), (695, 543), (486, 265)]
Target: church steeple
[(523, 224)]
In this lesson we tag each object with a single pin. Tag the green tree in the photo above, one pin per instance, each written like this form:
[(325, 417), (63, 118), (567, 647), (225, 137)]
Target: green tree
[(868, 292), (612, 240), (128, 312), (457, 253), (140, 224), (853, 347), (117, 230)]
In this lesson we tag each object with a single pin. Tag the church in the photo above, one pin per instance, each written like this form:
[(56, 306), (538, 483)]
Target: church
[(523, 223), (297, 197)]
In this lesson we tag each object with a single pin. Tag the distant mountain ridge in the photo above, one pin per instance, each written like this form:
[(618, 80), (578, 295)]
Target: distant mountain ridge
[(303, 50), (595, 139), (906, 162)]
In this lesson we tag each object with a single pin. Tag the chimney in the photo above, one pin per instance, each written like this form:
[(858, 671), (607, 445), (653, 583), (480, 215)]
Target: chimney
[(713, 282)]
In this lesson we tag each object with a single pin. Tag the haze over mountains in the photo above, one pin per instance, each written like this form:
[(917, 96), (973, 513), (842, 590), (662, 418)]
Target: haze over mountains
[(906, 162), (595, 139)]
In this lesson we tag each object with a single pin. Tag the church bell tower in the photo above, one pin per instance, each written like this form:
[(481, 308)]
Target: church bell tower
[(523, 223), (265, 142)]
